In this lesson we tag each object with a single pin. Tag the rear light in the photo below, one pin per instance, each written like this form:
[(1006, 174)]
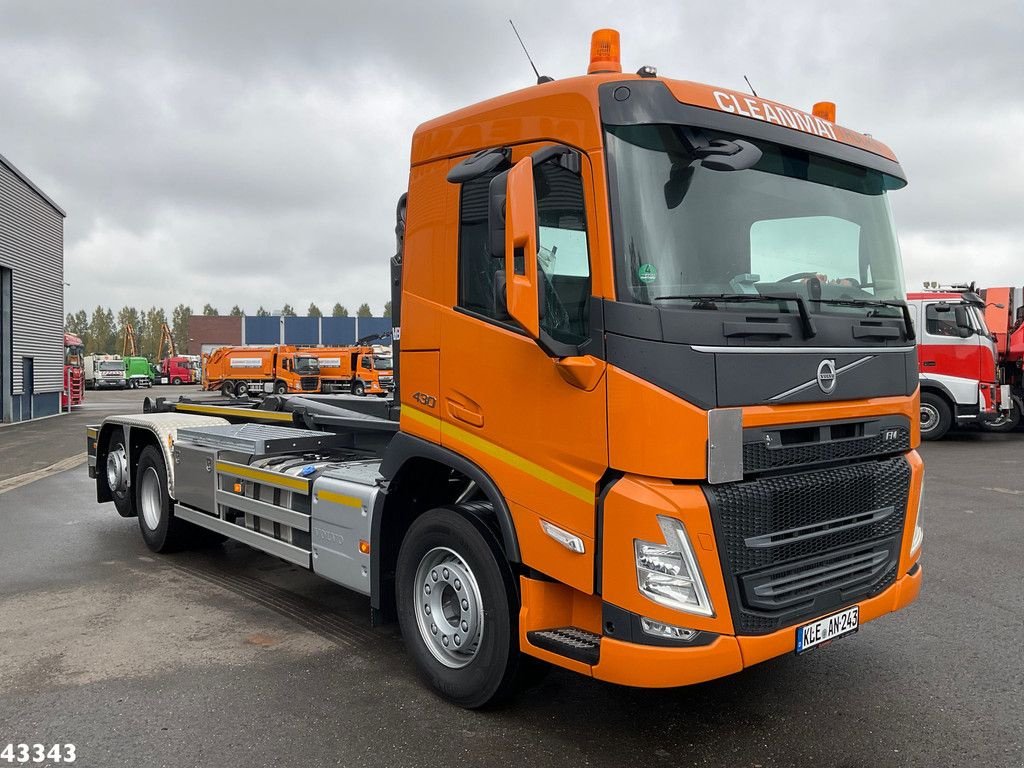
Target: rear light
[(668, 573)]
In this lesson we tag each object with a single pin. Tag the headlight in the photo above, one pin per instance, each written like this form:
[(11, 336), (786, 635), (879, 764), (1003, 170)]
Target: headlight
[(668, 573), (915, 544)]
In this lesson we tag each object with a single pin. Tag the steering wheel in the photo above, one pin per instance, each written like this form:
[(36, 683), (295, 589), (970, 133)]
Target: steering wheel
[(797, 276)]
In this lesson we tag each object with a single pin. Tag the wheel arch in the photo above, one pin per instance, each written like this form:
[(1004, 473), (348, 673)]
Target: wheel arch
[(938, 388), (431, 466), (135, 438)]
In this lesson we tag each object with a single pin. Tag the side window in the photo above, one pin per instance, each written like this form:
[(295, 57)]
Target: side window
[(940, 323), (480, 287), (365, 363), (563, 258)]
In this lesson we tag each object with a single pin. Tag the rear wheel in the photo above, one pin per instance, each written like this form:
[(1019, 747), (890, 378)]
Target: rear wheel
[(117, 476), (161, 531), (458, 607), (227, 389), (936, 416), (242, 389)]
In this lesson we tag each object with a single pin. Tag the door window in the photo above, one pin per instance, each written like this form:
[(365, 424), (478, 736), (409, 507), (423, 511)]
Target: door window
[(563, 259)]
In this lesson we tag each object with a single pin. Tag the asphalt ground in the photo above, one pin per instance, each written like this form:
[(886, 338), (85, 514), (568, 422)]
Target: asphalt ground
[(228, 657)]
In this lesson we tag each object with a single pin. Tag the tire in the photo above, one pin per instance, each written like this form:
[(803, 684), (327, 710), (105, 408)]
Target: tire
[(241, 389), (1008, 423), (161, 531), (123, 496), (450, 547), (280, 388), (358, 389), (227, 389), (176, 380), (936, 416)]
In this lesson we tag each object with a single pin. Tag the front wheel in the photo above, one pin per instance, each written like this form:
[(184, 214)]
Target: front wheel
[(280, 388), (358, 389), (936, 416), (176, 380), (1008, 421), (458, 608)]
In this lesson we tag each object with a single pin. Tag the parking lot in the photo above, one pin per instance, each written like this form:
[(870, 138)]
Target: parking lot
[(230, 657)]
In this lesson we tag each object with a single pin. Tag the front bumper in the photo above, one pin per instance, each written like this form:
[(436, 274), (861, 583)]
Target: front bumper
[(650, 666)]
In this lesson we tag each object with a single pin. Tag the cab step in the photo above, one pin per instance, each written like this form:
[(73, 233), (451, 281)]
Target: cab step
[(571, 642)]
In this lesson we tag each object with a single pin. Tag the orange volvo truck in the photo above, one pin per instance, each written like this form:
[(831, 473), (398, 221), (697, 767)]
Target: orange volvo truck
[(657, 401), (239, 371)]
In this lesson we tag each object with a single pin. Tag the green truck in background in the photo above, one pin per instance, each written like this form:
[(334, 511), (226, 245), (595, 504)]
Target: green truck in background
[(138, 372)]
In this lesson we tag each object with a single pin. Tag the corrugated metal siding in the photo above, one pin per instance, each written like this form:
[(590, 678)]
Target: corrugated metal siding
[(32, 247)]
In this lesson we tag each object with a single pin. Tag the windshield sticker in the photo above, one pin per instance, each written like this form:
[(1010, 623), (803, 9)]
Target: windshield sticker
[(647, 273)]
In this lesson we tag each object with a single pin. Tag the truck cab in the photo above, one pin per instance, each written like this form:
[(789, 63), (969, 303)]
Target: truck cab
[(957, 361), (656, 410), (139, 372), (105, 372)]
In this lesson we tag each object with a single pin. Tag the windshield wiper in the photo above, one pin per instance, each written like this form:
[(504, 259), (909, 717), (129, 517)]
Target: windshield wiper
[(709, 299), (901, 305)]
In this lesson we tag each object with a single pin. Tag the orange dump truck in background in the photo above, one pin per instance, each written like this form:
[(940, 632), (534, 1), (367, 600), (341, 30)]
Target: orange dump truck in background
[(359, 370), (280, 369)]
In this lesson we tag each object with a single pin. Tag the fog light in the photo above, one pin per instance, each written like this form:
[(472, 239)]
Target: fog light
[(666, 631), (668, 573)]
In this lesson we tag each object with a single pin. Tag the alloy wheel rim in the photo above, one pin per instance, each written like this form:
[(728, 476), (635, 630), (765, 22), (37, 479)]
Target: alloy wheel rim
[(449, 610)]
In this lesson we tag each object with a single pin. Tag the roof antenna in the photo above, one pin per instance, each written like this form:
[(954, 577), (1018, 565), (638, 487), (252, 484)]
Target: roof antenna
[(540, 78), (751, 87)]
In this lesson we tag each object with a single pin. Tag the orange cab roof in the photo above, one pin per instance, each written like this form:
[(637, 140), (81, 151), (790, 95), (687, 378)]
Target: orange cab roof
[(570, 109)]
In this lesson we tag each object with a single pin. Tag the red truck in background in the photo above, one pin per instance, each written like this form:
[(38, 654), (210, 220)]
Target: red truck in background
[(73, 392), (175, 370), (956, 360), (1004, 315)]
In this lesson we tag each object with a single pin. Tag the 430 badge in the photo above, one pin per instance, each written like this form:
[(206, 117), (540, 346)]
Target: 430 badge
[(423, 399)]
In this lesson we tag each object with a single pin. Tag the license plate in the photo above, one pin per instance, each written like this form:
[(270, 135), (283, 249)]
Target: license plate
[(829, 628)]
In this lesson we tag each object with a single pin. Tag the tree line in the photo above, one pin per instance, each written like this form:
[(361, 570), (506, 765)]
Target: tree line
[(102, 331)]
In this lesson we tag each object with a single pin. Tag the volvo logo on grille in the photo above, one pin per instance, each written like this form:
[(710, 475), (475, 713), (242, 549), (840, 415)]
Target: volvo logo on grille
[(827, 376)]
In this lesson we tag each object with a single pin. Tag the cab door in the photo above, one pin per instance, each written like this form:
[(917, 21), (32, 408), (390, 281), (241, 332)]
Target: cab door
[(951, 351), (503, 403)]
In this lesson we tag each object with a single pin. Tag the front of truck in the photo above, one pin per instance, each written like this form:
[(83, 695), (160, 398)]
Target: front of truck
[(762, 385), (307, 372), (111, 373)]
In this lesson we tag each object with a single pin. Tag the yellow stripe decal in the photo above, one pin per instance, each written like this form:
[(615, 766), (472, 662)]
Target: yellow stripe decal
[(340, 498), (271, 478), (502, 454), (222, 410), (91, 432)]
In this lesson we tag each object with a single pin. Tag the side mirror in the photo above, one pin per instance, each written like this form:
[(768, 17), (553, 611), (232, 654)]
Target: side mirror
[(521, 248)]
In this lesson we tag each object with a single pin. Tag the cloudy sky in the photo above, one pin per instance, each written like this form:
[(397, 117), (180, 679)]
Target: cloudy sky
[(252, 152)]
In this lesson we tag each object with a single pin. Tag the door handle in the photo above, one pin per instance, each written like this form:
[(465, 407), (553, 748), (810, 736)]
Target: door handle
[(468, 415), (929, 363)]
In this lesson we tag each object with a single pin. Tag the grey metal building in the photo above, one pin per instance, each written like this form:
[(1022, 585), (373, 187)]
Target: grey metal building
[(31, 298)]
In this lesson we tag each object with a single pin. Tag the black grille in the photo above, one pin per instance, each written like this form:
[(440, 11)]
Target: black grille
[(761, 457), (309, 383), (798, 545)]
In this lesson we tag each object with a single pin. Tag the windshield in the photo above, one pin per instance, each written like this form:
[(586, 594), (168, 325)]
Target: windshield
[(381, 363), (73, 356), (306, 365), (792, 223), (111, 365)]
